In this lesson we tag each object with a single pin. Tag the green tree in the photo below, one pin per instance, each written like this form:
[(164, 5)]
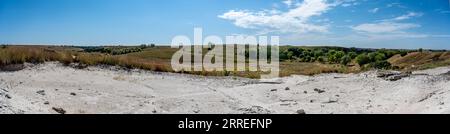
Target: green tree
[(379, 57), (290, 55), (372, 56), (339, 54), (381, 65), (345, 60), (362, 59), (352, 55)]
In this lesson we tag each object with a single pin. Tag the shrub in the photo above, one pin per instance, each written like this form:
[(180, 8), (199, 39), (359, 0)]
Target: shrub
[(362, 59), (381, 65), (345, 60)]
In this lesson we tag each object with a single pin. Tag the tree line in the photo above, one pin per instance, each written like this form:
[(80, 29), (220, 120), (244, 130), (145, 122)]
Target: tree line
[(376, 58)]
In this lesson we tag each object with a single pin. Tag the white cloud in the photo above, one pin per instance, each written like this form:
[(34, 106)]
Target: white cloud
[(346, 3), (395, 5), (389, 25), (407, 16), (295, 20), (442, 11), (375, 10), (289, 3), (384, 27)]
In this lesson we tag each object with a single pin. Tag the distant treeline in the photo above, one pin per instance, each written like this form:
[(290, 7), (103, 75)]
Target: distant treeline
[(374, 58), (115, 50)]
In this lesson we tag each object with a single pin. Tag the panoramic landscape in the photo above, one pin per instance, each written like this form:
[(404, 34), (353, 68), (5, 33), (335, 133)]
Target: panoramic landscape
[(329, 57)]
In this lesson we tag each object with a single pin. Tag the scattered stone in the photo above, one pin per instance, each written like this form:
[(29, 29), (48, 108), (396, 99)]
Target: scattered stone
[(273, 90), (285, 104), (305, 92), (73, 94), (311, 101), (12, 67), (255, 110), (196, 111), (41, 92), (282, 100), (392, 76), (332, 100), (287, 88), (8, 96), (46, 102), (301, 111), (319, 90), (59, 110)]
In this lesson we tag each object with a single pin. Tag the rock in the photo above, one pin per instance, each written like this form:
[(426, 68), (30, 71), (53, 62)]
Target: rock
[(273, 90), (319, 90), (196, 111), (392, 76), (301, 111), (12, 67), (287, 88), (41, 92), (384, 74), (73, 94), (8, 96), (255, 110), (46, 102), (59, 110), (154, 111), (332, 100), (305, 92)]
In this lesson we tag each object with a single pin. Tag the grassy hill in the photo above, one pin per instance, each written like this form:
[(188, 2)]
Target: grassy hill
[(294, 59)]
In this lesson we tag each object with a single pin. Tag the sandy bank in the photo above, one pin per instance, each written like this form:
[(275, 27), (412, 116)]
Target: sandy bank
[(53, 88)]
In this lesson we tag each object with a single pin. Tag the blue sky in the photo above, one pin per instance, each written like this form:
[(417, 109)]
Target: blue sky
[(350, 23)]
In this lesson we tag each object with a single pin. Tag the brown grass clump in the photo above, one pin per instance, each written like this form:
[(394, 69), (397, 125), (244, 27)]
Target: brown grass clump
[(421, 60)]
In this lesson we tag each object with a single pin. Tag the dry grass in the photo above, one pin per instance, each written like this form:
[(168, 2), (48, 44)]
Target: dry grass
[(421, 60), (158, 59), (32, 54)]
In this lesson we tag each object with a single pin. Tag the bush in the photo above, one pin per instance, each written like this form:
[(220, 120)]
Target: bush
[(379, 57), (381, 65), (345, 60), (362, 59)]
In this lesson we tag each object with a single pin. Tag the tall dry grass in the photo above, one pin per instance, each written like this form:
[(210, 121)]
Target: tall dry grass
[(22, 54)]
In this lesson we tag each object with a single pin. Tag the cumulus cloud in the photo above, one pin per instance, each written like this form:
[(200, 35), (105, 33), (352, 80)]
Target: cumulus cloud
[(295, 20)]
